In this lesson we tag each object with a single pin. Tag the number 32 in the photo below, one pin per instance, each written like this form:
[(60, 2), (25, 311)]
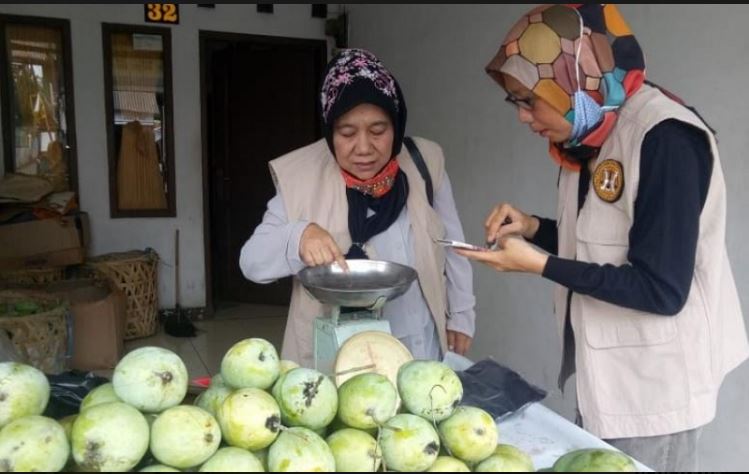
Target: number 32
[(162, 12)]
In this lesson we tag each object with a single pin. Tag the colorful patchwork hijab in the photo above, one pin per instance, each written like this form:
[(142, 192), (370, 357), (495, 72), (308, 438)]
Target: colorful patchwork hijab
[(582, 59)]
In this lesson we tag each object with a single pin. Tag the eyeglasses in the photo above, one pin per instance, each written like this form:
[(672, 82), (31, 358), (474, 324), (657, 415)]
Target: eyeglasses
[(522, 103)]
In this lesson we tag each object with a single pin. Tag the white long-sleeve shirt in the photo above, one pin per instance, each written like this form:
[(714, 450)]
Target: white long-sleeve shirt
[(272, 252)]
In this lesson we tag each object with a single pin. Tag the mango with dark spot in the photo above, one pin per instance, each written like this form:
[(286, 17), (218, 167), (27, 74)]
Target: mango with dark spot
[(184, 437), (470, 434), (409, 443)]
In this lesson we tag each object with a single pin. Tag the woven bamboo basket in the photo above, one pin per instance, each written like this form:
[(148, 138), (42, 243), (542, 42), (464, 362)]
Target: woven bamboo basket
[(41, 339), (136, 274), (32, 276)]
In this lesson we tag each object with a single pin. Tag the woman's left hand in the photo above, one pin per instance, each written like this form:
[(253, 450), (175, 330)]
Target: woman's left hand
[(458, 342), (514, 255)]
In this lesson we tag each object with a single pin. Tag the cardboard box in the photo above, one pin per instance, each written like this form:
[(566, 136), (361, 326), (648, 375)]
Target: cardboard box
[(8, 353), (99, 313), (54, 242)]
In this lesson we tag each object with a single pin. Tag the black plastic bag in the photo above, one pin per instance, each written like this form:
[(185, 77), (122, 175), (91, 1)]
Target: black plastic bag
[(67, 391), (497, 389)]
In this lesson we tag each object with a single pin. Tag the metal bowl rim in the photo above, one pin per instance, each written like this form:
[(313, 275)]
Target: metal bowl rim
[(410, 271)]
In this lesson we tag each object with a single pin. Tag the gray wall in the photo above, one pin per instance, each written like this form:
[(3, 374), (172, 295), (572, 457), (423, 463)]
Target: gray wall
[(438, 54), (110, 235)]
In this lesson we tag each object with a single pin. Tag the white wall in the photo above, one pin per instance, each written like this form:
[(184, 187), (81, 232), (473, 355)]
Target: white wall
[(110, 235), (438, 53)]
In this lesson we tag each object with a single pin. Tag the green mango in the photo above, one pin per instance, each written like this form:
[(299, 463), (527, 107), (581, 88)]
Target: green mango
[(594, 460)]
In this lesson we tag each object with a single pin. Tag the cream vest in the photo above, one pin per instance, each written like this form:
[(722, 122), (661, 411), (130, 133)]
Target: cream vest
[(313, 189), (642, 374)]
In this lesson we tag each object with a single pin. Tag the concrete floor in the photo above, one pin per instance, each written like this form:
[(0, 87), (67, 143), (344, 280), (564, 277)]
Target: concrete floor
[(202, 354)]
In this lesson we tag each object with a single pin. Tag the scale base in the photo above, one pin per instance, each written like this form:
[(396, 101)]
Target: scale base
[(330, 336)]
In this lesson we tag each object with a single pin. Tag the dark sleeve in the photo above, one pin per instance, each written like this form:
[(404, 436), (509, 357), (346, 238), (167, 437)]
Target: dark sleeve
[(675, 171), (546, 235)]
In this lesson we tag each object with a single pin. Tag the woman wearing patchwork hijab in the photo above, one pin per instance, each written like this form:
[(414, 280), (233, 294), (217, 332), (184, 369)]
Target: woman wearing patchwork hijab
[(644, 296), (357, 194)]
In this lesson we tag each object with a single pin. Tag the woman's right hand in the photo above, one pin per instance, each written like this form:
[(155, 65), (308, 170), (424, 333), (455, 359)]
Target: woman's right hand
[(317, 247), (507, 220)]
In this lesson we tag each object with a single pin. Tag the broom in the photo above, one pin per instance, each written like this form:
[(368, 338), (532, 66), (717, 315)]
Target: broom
[(178, 324)]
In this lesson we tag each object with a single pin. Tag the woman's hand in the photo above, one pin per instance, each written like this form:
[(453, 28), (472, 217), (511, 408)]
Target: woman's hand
[(506, 220), (458, 342), (317, 247), (514, 255)]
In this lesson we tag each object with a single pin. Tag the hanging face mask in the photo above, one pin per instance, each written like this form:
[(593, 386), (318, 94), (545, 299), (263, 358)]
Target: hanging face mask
[(588, 113)]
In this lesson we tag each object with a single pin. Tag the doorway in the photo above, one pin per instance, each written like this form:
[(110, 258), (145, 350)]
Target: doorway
[(259, 101)]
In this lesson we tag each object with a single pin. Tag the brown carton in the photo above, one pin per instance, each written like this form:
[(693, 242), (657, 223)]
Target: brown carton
[(55, 242), (99, 312)]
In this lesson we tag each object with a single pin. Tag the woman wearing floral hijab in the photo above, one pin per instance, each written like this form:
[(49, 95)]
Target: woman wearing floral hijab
[(357, 194), (644, 296)]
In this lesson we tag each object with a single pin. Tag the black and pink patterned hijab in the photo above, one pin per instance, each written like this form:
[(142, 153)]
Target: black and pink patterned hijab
[(354, 77)]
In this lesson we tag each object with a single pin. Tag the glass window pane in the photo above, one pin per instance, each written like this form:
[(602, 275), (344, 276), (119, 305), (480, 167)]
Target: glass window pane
[(138, 105), (38, 98)]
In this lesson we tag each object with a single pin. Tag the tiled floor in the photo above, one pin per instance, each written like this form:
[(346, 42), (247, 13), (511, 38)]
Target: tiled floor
[(202, 354)]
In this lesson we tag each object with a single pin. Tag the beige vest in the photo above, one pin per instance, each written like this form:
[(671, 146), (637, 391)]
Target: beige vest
[(313, 189), (641, 374)]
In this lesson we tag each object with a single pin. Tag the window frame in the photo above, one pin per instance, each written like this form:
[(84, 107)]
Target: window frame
[(6, 104), (108, 29)]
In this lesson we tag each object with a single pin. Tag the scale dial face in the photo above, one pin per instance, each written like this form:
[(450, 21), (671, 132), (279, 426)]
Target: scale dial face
[(371, 351)]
